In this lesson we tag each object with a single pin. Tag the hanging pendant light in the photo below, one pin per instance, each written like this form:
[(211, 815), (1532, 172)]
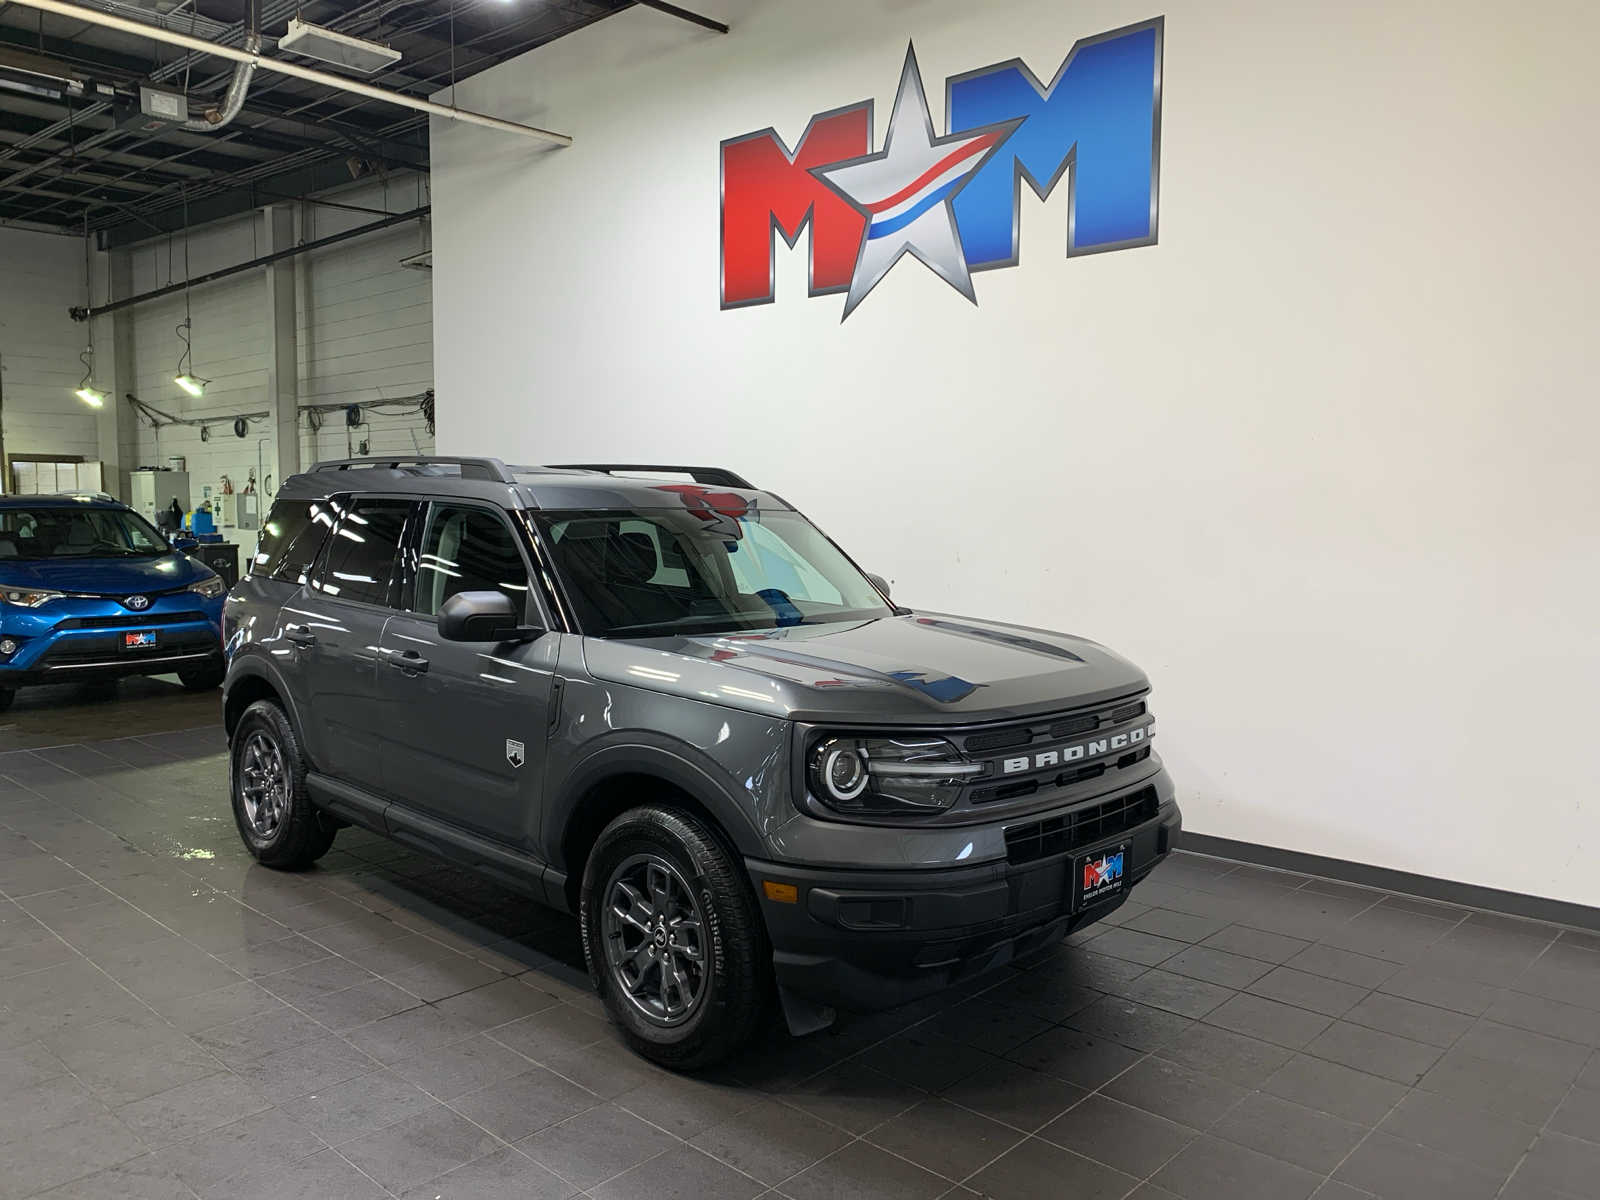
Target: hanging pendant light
[(186, 378), (86, 391)]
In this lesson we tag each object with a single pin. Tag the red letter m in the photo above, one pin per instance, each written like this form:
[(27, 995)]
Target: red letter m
[(767, 187)]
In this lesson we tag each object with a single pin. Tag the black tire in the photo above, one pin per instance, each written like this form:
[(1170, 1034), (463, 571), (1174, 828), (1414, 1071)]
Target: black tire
[(735, 982), (297, 834), (7, 695), (202, 679)]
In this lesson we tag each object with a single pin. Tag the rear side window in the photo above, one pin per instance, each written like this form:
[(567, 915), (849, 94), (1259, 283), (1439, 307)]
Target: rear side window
[(290, 539), (363, 551)]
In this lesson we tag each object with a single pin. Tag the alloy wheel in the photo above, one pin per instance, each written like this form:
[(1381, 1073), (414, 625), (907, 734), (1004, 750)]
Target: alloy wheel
[(654, 939), (263, 784)]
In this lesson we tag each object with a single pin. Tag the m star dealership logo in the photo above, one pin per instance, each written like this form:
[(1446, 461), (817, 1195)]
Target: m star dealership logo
[(953, 201), (905, 192)]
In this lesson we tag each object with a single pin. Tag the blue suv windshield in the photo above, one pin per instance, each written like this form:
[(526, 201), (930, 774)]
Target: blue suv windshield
[(46, 532)]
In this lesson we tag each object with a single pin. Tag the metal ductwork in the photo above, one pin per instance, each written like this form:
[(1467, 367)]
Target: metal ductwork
[(219, 117), (277, 66)]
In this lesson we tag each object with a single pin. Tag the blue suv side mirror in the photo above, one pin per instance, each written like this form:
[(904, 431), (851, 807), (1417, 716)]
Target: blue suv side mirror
[(187, 545)]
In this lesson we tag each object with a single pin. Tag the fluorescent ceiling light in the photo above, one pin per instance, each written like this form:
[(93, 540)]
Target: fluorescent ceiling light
[(340, 49), (190, 384), (92, 396)]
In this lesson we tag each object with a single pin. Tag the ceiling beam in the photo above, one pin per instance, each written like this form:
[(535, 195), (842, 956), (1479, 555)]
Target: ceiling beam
[(683, 14), (318, 177)]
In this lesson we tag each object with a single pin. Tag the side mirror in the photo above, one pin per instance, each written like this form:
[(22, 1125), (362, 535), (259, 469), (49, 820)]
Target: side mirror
[(187, 545), (879, 582), (482, 617)]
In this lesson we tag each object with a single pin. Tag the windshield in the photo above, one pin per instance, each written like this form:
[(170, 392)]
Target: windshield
[(703, 569), (50, 532)]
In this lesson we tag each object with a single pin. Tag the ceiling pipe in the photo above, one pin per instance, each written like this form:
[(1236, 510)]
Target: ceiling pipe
[(219, 118), (84, 313), (276, 65), (683, 14)]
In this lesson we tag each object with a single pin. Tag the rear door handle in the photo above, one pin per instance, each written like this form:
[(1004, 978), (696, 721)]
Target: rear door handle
[(408, 661), (300, 635)]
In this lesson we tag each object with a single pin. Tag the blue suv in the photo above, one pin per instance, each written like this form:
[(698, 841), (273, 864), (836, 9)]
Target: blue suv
[(90, 590)]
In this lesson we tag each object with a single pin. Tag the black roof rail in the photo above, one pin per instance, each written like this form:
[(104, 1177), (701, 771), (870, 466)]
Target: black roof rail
[(491, 469), (715, 476)]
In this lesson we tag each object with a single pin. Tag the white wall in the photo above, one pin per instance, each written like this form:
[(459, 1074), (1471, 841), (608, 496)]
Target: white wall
[(1322, 460), (364, 332), (41, 276)]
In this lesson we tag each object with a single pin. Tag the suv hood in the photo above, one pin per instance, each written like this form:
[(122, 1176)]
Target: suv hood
[(922, 667), (105, 576)]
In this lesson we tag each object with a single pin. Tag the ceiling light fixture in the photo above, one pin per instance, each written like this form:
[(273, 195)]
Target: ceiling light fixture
[(86, 391), (186, 378), (192, 384), (340, 49)]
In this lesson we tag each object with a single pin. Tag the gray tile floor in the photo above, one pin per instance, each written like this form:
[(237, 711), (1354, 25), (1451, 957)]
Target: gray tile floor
[(178, 1022)]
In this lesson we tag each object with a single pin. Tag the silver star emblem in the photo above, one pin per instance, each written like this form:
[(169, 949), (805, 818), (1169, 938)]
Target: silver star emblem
[(905, 190)]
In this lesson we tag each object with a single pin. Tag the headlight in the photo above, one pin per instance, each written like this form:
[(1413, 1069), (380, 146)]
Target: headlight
[(209, 587), (879, 775), (29, 597)]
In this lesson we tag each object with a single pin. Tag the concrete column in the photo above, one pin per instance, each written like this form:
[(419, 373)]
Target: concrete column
[(116, 425), (283, 366)]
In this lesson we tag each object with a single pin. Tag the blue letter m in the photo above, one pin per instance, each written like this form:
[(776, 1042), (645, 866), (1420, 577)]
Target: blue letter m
[(1100, 116)]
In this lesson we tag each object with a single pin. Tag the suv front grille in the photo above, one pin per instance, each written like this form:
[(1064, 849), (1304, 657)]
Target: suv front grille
[(145, 618), (1108, 738), (1080, 827), (1046, 729), (1087, 723), (1004, 739)]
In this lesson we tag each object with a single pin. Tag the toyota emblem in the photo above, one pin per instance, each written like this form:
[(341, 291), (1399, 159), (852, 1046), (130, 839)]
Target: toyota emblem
[(138, 603)]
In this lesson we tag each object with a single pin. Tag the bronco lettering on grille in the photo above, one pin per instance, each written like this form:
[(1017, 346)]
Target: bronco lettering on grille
[(1073, 753)]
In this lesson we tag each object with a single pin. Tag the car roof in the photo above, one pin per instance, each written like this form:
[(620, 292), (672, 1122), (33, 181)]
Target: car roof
[(588, 487), (60, 500)]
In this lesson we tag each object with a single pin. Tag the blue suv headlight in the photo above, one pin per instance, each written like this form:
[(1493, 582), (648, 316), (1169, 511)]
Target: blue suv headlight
[(28, 597), (209, 587)]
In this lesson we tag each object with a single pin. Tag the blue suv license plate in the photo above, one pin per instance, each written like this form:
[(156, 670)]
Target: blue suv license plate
[(1099, 874), (142, 640)]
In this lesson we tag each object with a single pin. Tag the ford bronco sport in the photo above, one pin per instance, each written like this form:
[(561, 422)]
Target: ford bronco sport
[(677, 709)]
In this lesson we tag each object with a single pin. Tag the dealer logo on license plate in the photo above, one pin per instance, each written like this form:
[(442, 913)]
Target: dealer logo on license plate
[(1102, 875)]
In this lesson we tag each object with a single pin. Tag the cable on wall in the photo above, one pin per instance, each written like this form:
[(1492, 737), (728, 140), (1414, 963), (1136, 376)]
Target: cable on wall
[(420, 404)]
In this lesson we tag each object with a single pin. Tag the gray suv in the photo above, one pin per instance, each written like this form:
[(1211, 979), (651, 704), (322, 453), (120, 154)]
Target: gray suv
[(663, 700)]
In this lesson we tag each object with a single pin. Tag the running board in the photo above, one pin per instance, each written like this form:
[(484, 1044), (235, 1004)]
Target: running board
[(514, 868)]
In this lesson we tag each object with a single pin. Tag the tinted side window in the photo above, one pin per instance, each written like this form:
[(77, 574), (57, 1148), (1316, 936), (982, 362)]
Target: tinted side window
[(468, 550), (363, 551), (290, 539)]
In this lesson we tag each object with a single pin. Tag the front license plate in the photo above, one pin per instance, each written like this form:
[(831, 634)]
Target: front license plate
[(1100, 874), (138, 641)]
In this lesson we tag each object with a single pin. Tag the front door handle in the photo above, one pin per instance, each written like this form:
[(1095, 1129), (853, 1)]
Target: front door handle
[(300, 635), (408, 661)]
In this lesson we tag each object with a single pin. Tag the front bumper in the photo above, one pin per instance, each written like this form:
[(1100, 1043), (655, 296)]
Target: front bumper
[(867, 940), (83, 638)]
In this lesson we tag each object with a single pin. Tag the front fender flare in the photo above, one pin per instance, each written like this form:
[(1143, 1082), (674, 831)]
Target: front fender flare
[(674, 762), (246, 665)]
